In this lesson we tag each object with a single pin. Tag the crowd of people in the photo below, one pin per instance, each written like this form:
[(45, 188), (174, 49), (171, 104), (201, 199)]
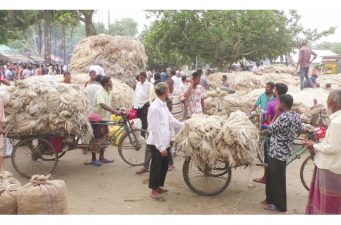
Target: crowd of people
[(17, 71), (163, 101), (283, 126)]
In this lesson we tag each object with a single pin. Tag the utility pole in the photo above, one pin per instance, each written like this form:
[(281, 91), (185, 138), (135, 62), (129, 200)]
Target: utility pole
[(109, 21)]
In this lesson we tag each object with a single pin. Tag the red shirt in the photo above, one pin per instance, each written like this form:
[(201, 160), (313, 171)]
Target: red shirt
[(304, 56)]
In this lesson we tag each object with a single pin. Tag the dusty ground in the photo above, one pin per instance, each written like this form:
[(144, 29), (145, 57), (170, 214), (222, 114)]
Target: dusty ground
[(116, 189)]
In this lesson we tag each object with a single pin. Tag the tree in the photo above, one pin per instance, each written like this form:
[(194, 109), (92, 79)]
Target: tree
[(332, 46), (13, 23), (124, 27), (86, 17), (222, 37)]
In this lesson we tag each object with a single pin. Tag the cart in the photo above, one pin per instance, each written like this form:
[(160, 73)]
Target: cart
[(36, 154), (207, 180)]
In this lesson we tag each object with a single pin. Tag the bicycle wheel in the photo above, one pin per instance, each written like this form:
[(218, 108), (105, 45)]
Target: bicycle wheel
[(61, 154), (260, 149), (34, 156), (132, 147), (208, 181), (306, 172)]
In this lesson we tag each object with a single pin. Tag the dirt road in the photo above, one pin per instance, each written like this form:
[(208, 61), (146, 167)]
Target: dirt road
[(116, 189)]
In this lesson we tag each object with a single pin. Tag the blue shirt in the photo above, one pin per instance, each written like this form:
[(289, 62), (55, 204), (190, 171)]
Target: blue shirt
[(164, 76), (263, 101)]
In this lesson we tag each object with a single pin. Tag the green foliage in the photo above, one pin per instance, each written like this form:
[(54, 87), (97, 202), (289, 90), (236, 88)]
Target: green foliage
[(221, 37), (123, 27), (332, 46)]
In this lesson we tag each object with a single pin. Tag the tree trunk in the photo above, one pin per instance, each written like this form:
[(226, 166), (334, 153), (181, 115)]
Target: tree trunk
[(39, 43), (90, 29), (47, 40), (63, 42)]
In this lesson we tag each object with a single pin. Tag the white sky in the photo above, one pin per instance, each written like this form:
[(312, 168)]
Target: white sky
[(315, 13), (320, 19)]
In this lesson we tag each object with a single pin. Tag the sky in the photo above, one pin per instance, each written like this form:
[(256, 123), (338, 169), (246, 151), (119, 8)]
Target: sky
[(310, 18)]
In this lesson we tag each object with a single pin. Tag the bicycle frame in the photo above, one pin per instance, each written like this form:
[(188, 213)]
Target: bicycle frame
[(297, 152)]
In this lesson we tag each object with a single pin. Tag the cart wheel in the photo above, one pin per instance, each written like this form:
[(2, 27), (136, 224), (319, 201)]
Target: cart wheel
[(34, 156), (132, 147), (307, 171), (207, 181), (61, 154)]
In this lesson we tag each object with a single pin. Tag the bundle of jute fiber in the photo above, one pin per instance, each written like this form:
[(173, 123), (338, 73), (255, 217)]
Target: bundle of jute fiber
[(227, 104), (310, 115), (121, 93), (216, 92), (334, 80), (279, 68), (121, 57), (237, 140), (285, 78), (42, 105), (43, 196), (4, 94), (245, 82), (8, 199), (196, 139), (216, 79), (240, 81), (6, 178), (307, 95)]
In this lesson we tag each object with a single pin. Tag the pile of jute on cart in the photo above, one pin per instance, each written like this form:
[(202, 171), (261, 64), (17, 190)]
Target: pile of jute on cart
[(207, 139), (121, 57), (44, 105)]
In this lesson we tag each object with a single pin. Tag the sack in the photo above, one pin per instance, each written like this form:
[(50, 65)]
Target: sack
[(116, 118), (8, 199), (132, 114), (118, 132), (7, 178), (43, 196)]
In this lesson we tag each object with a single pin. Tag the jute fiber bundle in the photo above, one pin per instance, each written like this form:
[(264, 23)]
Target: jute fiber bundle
[(229, 103), (121, 94), (6, 178), (43, 196), (237, 140), (196, 139), (121, 57), (42, 105), (207, 139), (279, 68), (239, 81), (8, 199)]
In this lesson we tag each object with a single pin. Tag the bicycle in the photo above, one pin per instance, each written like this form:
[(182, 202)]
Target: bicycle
[(35, 153), (307, 167)]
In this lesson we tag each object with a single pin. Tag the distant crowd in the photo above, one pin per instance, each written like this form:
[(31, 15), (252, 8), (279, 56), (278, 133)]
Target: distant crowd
[(17, 71)]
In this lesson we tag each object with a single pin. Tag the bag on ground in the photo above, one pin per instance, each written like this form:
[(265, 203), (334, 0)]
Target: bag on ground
[(43, 196)]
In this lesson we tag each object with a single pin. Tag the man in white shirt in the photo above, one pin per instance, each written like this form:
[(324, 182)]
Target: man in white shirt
[(160, 122), (141, 99), (256, 69), (176, 78), (91, 90), (325, 190)]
